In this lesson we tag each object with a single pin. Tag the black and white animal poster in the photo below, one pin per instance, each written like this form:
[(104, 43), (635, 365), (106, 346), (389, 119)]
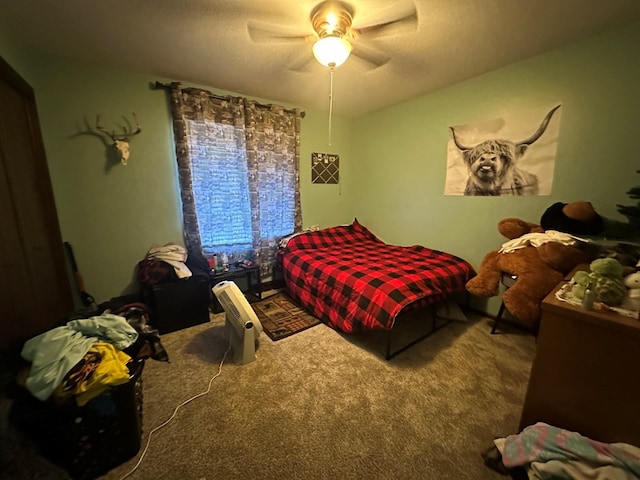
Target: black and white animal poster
[(511, 155)]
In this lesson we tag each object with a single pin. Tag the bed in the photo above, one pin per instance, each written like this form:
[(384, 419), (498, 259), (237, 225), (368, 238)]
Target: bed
[(353, 282)]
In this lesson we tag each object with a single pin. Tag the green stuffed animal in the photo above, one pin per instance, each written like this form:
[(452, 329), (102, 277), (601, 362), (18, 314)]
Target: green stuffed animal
[(606, 278)]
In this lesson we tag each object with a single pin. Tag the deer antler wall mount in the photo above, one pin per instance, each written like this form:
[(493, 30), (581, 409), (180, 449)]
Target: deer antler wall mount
[(121, 140)]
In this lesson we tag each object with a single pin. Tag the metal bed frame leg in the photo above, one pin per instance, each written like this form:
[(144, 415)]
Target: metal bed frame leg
[(387, 355), (434, 328)]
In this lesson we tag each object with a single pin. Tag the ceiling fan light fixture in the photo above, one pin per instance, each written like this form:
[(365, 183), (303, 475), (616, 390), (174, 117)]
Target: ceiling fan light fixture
[(331, 51)]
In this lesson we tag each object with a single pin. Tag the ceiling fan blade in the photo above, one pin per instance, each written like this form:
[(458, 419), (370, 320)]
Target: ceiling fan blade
[(261, 32), (304, 63), (406, 19), (372, 57)]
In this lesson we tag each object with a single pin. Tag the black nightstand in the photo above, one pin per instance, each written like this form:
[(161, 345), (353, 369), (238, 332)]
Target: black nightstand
[(247, 279), (180, 304)]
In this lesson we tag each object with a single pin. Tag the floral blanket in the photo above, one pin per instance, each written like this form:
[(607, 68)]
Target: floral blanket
[(563, 451)]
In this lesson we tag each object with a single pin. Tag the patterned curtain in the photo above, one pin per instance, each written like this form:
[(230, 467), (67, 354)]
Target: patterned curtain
[(247, 153), (273, 157)]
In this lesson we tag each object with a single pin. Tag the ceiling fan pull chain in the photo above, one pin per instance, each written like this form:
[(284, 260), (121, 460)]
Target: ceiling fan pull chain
[(330, 100)]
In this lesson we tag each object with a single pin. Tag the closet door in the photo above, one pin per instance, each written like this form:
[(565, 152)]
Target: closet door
[(35, 292)]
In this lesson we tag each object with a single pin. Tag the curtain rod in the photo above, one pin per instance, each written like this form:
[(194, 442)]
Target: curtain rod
[(164, 86)]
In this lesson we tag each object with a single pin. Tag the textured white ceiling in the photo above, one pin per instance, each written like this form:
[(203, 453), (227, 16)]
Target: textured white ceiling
[(207, 42)]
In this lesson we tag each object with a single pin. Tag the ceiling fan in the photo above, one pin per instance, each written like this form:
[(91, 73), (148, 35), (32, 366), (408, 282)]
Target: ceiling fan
[(336, 34)]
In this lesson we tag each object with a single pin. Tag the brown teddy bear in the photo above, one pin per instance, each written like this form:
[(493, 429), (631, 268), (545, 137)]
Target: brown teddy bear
[(538, 268)]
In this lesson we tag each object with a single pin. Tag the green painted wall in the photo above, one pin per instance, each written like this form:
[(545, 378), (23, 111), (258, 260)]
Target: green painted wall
[(327, 205), (112, 214), (402, 150), (392, 161)]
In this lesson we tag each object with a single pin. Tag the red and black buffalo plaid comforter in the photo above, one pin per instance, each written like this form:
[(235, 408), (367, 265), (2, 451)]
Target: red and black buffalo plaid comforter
[(352, 281)]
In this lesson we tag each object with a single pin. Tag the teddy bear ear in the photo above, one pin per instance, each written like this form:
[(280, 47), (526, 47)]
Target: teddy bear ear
[(577, 218), (581, 211)]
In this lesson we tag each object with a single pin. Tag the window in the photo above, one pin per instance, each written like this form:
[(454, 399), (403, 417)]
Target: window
[(220, 182), (239, 178)]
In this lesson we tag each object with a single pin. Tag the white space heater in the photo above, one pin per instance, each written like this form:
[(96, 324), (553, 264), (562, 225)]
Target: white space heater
[(241, 322)]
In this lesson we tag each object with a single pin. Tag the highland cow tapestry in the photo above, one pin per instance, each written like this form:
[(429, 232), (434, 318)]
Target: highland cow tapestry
[(511, 155)]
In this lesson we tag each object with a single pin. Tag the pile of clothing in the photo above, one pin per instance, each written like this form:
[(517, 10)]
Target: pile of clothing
[(87, 356), (167, 263)]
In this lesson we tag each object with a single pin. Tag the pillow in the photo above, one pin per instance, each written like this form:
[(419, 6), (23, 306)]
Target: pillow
[(328, 237), (360, 229)]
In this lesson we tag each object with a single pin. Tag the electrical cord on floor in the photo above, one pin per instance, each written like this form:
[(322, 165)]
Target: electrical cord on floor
[(144, 452)]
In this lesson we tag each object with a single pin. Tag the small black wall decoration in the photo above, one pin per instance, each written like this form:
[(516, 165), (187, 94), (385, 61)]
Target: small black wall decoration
[(325, 168)]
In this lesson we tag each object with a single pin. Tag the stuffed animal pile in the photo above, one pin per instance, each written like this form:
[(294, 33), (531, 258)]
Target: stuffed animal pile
[(539, 257), (605, 277)]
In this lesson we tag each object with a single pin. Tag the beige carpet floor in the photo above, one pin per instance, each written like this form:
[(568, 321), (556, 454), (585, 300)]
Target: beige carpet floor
[(321, 405)]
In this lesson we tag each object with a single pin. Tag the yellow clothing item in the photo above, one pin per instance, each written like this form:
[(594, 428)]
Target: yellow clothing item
[(111, 371)]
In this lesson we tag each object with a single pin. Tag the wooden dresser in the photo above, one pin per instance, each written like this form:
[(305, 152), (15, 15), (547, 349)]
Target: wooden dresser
[(586, 373)]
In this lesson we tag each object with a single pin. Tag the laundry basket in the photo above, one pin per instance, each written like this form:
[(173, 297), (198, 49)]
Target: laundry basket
[(90, 440)]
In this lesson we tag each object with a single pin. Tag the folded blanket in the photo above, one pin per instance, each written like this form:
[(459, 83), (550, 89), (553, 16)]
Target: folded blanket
[(537, 239)]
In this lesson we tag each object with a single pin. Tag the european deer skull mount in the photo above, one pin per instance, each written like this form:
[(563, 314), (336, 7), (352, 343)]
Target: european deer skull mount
[(121, 141)]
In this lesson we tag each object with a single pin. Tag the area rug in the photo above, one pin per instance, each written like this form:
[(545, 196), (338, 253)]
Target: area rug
[(281, 318)]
